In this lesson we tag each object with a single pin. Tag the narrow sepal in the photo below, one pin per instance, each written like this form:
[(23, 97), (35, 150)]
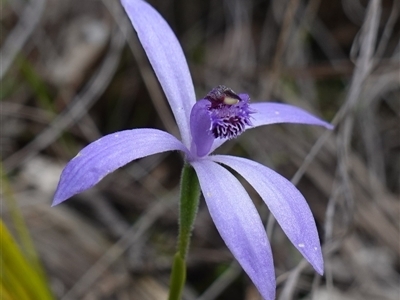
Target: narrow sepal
[(266, 113), (109, 153), (167, 59), (238, 223), (285, 202)]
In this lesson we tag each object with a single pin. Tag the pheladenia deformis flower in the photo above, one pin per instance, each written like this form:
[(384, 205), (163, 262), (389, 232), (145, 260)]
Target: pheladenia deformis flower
[(205, 125)]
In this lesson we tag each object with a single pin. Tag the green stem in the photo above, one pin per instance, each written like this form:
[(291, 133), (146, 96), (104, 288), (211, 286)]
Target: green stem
[(190, 195), (178, 278), (189, 203)]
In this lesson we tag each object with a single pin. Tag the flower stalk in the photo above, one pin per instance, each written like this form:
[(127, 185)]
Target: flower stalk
[(178, 278), (189, 203)]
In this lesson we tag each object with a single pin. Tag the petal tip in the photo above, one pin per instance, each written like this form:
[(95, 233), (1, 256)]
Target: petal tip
[(319, 269), (60, 197), (315, 259), (329, 126), (56, 201)]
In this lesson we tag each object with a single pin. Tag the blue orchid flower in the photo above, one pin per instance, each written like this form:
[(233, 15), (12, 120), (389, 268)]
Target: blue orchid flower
[(204, 126)]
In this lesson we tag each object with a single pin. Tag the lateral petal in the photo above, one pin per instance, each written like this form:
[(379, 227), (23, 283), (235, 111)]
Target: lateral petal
[(272, 113), (109, 153), (285, 202), (238, 223), (266, 113), (167, 59)]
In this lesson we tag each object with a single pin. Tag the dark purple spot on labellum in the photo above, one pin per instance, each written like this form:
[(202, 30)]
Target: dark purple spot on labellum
[(229, 112)]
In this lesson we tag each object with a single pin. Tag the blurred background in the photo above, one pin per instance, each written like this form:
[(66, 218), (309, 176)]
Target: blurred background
[(73, 71)]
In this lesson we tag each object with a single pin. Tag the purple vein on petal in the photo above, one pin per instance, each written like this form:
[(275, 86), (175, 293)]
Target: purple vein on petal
[(285, 202), (108, 154), (167, 59), (238, 223)]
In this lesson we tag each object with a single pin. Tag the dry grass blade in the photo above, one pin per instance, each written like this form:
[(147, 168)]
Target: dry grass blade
[(222, 282), (15, 41), (77, 109), (114, 252)]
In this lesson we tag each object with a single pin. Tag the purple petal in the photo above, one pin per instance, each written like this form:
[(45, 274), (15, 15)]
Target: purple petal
[(108, 154), (238, 223), (285, 202), (266, 113), (167, 58), (272, 113), (200, 124)]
